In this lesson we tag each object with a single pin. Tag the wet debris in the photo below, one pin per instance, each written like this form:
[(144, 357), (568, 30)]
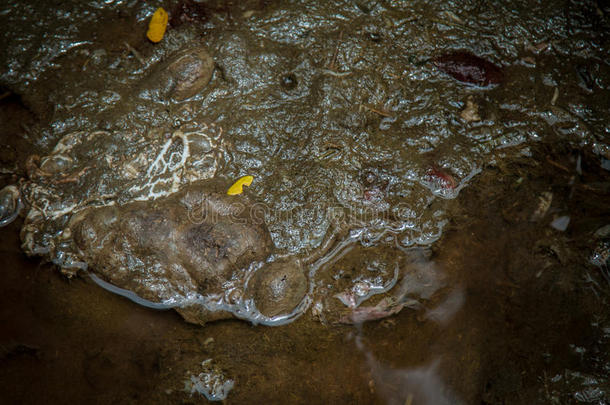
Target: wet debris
[(374, 181), (585, 79), (555, 96), (529, 61), (364, 289), (135, 53), (601, 259), (454, 17), (385, 307), (188, 12), (208, 343), (374, 110), (413, 280), (468, 68), (544, 203), (470, 113), (600, 256), (440, 178), (238, 186), (317, 311), (211, 382), (10, 204), (332, 66), (331, 150), (561, 223), (539, 47), (157, 25)]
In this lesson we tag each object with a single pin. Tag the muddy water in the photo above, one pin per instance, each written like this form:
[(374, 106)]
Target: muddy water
[(333, 106)]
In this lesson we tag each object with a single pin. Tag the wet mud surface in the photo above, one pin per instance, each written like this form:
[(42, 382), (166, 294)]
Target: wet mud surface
[(522, 324), (429, 217)]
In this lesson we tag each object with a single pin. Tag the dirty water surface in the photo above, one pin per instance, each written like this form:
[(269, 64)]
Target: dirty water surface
[(428, 220)]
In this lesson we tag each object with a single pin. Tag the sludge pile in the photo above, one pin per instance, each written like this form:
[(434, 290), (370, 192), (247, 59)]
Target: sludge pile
[(354, 147)]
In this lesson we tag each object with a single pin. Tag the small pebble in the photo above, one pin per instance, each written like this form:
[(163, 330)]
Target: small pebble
[(561, 223)]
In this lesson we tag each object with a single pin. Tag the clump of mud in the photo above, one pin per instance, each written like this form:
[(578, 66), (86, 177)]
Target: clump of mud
[(165, 253), (358, 124)]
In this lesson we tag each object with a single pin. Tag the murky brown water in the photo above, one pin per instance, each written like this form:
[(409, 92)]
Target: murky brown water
[(455, 200)]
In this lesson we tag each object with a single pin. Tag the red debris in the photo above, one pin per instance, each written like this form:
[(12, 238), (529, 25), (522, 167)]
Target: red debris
[(441, 177), (468, 68)]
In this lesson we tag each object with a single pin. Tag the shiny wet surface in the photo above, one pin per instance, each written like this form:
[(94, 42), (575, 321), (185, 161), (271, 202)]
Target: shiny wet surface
[(526, 322), (509, 309)]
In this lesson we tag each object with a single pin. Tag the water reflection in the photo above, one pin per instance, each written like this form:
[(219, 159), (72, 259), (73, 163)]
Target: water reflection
[(417, 385)]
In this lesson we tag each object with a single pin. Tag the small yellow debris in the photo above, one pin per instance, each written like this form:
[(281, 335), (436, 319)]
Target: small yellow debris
[(237, 187), (157, 25)]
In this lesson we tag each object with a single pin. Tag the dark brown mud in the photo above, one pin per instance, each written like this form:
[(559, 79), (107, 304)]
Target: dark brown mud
[(525, 308), (519, 314)]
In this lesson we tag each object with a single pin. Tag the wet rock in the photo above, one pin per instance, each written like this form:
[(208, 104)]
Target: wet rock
[(278, 287), (468, 68), (184, 75)]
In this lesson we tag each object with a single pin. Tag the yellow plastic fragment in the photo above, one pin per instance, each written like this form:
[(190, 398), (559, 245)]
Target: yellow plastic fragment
[(157, 25), (238, 186)]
